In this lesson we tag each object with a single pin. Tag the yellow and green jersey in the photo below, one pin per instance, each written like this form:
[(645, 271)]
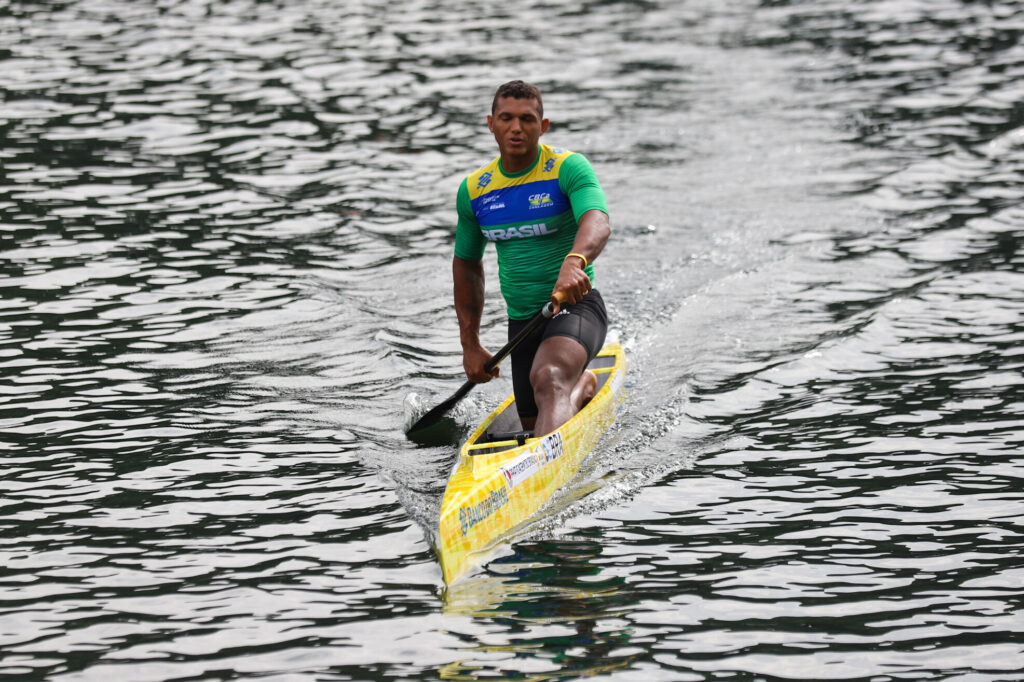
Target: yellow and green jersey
[(532, 218)]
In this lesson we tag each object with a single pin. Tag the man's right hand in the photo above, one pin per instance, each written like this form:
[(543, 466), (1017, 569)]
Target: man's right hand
[(473, 361)]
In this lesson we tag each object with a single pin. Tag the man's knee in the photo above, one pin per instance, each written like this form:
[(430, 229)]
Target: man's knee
[(549, 378)]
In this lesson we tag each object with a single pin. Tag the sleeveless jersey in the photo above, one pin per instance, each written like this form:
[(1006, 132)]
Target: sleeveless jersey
[(532, 218)]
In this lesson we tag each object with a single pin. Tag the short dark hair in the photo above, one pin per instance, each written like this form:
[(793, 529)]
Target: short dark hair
[(518, 90)]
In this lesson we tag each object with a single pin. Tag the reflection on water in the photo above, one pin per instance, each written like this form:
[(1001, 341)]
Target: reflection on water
[(225, 237)]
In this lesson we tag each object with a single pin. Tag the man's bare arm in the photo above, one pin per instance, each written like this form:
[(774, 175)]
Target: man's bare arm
[(468, 278)]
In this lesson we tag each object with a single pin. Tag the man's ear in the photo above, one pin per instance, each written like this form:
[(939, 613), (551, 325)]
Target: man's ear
[(490, 123), (544, 123)]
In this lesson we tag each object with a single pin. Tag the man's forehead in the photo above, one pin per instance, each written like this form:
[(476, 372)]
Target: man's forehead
[(517, 104)]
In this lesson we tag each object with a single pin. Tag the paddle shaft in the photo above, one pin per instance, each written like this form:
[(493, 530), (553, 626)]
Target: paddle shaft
[(537, 320), (430, 418)]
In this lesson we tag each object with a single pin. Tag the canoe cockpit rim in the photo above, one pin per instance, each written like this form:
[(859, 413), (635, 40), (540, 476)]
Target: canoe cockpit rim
[(603, 365)]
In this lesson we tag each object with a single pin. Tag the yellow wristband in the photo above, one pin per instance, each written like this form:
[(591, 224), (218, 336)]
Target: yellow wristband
[(580, 256)]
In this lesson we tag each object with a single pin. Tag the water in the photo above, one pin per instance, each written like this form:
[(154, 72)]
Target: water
[(225, 237)]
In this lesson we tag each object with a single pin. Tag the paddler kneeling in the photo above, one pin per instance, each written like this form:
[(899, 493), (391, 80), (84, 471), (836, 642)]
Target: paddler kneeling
[(547, 215)]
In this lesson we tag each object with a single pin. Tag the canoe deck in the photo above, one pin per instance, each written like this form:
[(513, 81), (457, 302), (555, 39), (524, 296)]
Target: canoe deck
[(503, 474)]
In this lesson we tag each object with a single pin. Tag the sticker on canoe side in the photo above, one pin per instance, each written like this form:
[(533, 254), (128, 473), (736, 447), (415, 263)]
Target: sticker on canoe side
[(549, 449), (469, 516), (520, 469), (533, 460)]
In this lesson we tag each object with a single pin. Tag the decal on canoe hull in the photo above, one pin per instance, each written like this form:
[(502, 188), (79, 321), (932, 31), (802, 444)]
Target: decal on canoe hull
[(550, 449), (520, 469), (470, 516), (533, 460)]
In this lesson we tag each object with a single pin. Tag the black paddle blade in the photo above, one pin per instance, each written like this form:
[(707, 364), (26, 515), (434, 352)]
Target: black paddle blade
[(439, 411), (442, 431), (434, 428), (434, 415)]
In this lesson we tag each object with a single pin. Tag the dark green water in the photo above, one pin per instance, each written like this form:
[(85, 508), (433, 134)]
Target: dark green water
[(225, 243)]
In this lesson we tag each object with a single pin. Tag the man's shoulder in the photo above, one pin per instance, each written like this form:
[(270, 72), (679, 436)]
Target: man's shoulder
[(553, 157), (478, 180), (558, 152), (558, 162)]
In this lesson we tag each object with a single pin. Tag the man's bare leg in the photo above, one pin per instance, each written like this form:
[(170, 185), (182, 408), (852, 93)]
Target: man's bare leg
[(582, 393), (560, 385), (584, 390)]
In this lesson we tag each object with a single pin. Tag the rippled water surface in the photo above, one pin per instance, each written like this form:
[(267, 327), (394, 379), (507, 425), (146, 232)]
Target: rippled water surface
[(225, 244)]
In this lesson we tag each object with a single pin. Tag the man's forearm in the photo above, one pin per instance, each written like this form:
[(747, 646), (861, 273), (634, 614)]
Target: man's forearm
[(468, 278), (593, 233)]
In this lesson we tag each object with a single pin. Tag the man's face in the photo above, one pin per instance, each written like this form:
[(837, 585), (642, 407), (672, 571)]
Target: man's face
[(517, 127)]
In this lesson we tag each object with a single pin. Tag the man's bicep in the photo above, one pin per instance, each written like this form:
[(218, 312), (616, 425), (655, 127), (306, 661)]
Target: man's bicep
[(579, 182), (469, 241)]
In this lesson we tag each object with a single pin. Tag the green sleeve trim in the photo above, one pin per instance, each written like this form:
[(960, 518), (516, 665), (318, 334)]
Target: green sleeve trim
[(578, 181), (469, 241)]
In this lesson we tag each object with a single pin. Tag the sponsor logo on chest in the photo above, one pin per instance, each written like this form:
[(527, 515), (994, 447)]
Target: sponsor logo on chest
[(521, 232), (540, 200)]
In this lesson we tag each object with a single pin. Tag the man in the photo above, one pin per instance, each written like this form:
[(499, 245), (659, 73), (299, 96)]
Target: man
[(547, 216)]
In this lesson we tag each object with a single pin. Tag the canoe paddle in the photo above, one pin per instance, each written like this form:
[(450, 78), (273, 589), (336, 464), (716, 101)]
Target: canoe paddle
[(425, 431)]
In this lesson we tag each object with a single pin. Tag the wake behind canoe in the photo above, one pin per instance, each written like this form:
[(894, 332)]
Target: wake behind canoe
[(503, 475)]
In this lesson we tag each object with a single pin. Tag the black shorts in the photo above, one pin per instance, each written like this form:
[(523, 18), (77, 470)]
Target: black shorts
[(586, 321)]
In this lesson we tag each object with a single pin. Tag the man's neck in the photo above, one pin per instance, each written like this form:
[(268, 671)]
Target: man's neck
[(511, 166)]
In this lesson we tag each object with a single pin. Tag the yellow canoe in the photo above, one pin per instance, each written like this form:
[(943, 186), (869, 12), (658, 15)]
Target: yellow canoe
[(502, 477)]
